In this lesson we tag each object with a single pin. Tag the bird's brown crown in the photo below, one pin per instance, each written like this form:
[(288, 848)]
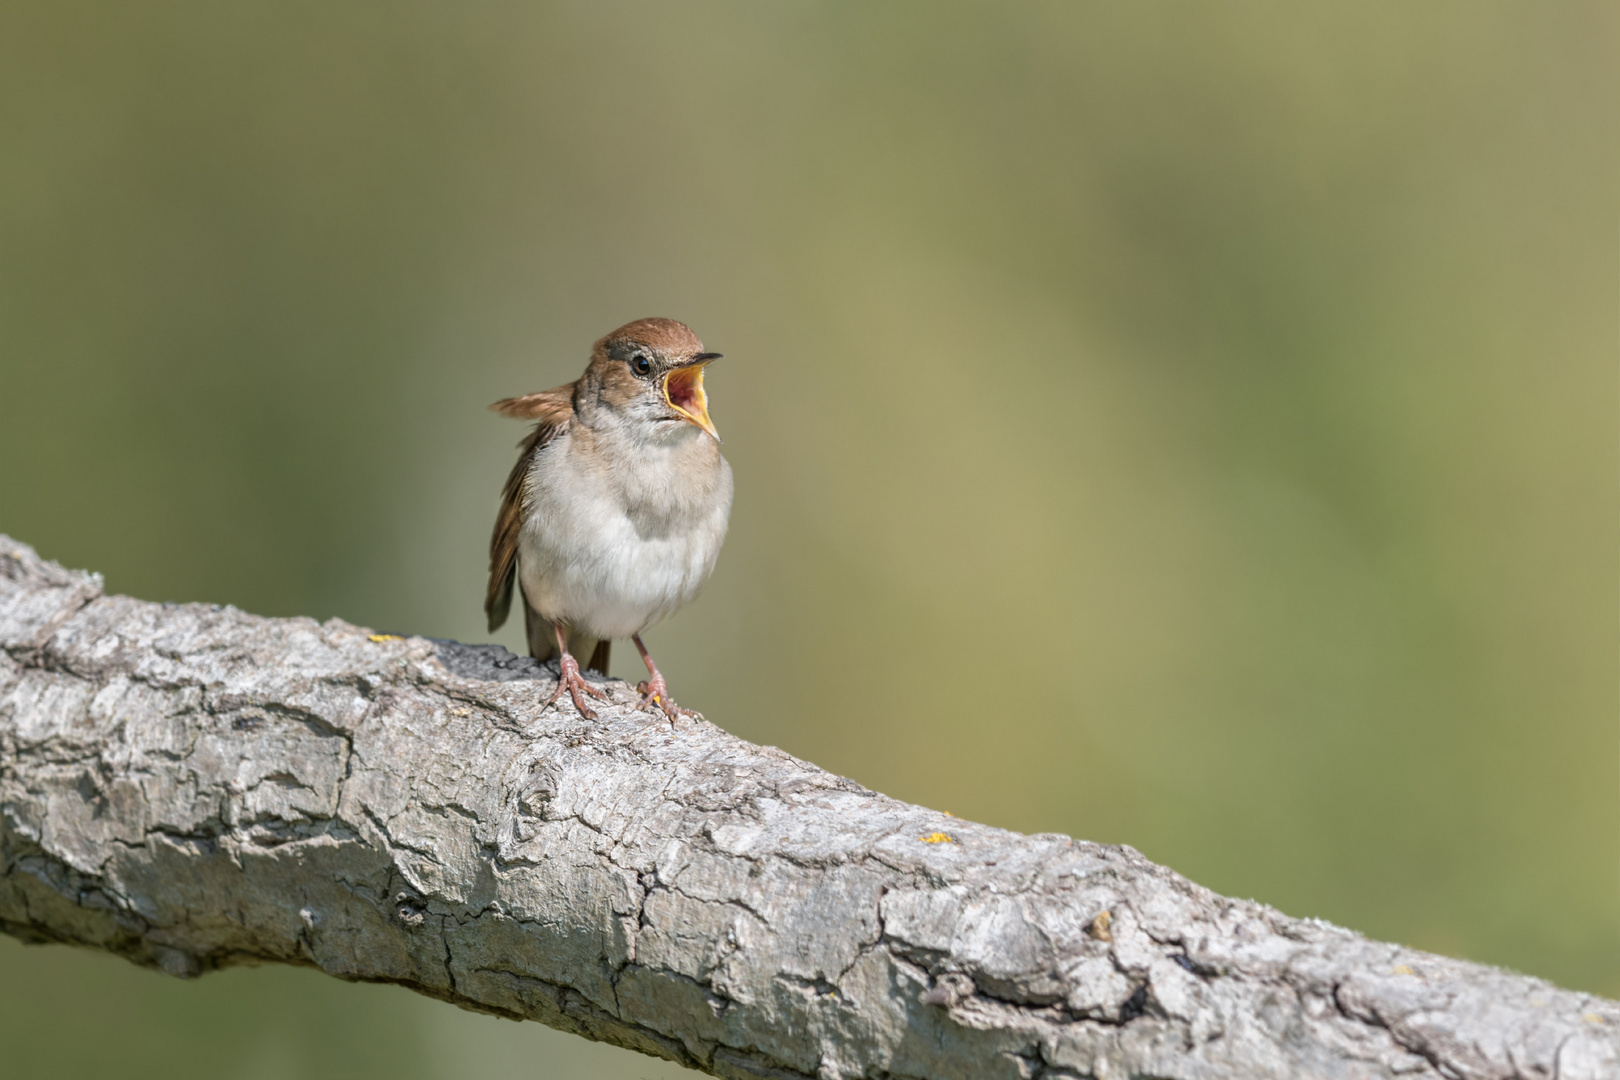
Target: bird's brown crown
[(665, 336)]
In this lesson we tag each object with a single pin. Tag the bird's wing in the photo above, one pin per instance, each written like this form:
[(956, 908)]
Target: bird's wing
[(554, 406), (554, 409)]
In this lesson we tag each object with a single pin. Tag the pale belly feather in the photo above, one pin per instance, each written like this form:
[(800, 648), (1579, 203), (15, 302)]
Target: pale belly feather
[(610, 569)]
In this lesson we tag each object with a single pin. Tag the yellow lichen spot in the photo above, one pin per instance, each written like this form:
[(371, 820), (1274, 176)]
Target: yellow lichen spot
[(1100, 926), (937, 838), (1404, 969), (947, 813), (385, 637), (1592, 1018)]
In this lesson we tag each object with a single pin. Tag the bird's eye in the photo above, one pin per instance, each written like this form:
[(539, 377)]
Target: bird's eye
[(640, 365)]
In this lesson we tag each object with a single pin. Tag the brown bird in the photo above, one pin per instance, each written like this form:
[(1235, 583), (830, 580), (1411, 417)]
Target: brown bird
[(615, 511)]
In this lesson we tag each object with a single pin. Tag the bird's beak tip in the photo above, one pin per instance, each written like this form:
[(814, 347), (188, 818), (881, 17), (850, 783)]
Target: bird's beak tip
[(683, 392)]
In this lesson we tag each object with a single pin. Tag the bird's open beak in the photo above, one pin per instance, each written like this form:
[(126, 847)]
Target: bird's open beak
[(683, 392)]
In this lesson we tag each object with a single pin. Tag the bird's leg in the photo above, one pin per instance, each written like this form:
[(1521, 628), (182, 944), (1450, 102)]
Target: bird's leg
[(569, 678), (653, 690)]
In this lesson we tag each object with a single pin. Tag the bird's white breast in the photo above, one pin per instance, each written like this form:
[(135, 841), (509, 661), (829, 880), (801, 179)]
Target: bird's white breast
[(619, 534)]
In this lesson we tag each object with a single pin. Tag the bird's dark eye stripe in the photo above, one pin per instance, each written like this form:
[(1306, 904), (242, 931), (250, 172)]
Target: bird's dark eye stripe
[(640, 364)]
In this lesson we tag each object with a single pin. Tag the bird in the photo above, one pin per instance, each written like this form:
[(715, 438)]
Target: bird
[(615, 512)]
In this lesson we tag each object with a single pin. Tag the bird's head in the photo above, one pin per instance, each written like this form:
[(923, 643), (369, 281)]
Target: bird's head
[(651, 372)]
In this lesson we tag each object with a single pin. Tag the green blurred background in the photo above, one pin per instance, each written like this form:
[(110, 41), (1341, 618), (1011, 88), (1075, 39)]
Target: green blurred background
[(1184, 426)]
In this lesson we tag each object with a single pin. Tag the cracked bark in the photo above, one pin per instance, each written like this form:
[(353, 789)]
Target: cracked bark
[(193, 787)]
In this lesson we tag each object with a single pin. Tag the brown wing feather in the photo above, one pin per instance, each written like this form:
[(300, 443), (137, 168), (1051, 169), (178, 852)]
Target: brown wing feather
[(555, 410), (546, 406)]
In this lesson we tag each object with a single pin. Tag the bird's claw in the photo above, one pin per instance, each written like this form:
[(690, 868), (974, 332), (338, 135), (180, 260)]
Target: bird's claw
[(655, 693), (569, 679)]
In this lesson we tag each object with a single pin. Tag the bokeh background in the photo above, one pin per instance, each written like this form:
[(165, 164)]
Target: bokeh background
[(1189, 426)]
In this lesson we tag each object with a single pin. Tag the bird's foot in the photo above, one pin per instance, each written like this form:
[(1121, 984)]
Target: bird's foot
[(656, 694), (569, 679)]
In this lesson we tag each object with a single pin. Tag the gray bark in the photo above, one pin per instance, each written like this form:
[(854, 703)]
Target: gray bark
[(193, 787)]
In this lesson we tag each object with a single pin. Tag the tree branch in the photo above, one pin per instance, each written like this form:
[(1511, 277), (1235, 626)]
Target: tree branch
[(192, 787)]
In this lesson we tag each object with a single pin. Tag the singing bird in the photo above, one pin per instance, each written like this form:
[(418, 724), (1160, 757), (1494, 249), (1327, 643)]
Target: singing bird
[(616, 509)]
